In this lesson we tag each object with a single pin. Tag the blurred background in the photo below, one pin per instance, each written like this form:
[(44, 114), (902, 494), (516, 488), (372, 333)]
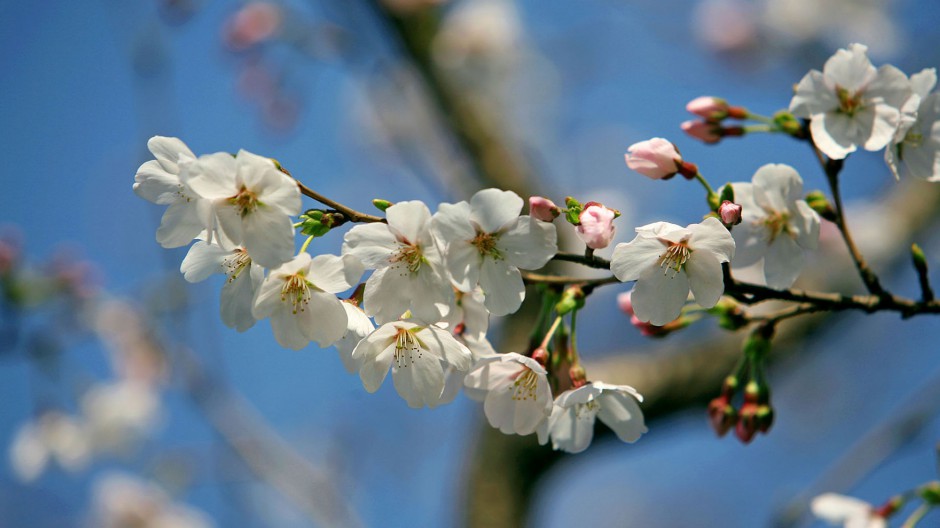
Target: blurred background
[(125, 400)]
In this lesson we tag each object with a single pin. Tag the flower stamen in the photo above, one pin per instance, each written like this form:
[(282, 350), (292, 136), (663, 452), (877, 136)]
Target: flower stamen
[(296, 290), (411, 256), (406, 344), (233, 264), (676, 255), (245, 202), (486, 244), (523, 387)]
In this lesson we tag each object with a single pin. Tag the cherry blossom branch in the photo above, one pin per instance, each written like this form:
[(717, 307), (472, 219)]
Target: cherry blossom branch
[(351, 214), (832, 169), (562, 280)]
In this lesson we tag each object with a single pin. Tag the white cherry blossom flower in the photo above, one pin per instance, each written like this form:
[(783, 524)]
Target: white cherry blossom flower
[(410, 272), (848, 511), (415, 354), (159, 181), (571, 424), (515, 392), (357, 328), (253, 202), (120, 414), (123, 500), (776, 224), (243, 279), (486, 243), (300, 299), (850, 103), (915, 150), (52, 437), (666, 260), (468, 323)]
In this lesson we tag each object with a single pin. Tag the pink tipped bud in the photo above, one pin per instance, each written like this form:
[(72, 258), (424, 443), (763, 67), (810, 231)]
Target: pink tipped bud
[(252, 24), (625, 303), (596, 227), (708, 108), (722, 415), (730, 213), (540, 355), (578, 376), (703, 131), (543, 209), (747, 423), (654, 158)]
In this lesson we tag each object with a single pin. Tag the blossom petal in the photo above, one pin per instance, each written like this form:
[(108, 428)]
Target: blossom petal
[(808, 223), (783, 262), (238, 297), (528, 243), (331, 273), (491, 209), (409, 219), (451, 223), (621, 412), (442, 344), (850, 68), (202, 260), (357, 328), (418, 378), (705, 278), (324, 319), (833, 133), (211, 176), (779, 185), (713, 237), (463, 261), (168, 151), (502, 286), (181, 223), (631, 260), (571, 429), (373, 244), (813, 96), (288, 329), (268, 237), (659, 295)]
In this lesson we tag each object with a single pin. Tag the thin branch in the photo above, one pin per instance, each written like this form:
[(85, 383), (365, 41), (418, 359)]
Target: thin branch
[(591, 262), (536, 278), (351, 214)]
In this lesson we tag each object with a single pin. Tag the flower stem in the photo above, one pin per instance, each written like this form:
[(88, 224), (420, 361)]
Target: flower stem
[(917, 516), (551, 332), (351, 214), (306, 243), (760, 128), (761, 118)]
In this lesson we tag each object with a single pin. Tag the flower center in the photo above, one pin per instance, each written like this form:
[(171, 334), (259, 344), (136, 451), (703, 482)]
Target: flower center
[(409, 256), (586, 411), (181, 193), (406, 345), (486, 244), (676, 255), (297, 291), (523, 387), (233, 264), (244, 202), (849, 102), (777, 223)]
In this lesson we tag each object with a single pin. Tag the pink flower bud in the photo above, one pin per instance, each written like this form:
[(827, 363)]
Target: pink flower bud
[(708, 108), (625, 302), (252, 24), (543, 209), (703, 131), (722, 415), (730, 213), (540, 355), (596, 227), (654, 158)]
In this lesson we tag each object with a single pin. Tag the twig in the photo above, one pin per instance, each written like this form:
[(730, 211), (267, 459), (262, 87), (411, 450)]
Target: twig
[(349, 213), (537, 278)]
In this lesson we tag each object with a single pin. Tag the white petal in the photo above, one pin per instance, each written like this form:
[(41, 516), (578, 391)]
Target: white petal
[(430, 296), (502, 286), (288, 328), (238, 297), (154, 184), (442, 344), (409, 219), (418, 378), (813, 96), (631, 260), (571, 429), (375, 356), (28, 453), (181, 223), (516, 416), (783, 262), (278, 191), (383, 297), (780, 185), (835, 508), (331, 273), (705, 278), (451, 223), (886, 121), (463, 262), (924, 81), (168, 151), (357, 328), (230, 222), (491, 209), (808, 225), (850, 68), (251, 170), (891, 86), (528, 243), (211, 176), (833, 133), (268, 236), (324, 319), (659, 295), (373, 244), (621, 412), (713, 237), (202, 260)]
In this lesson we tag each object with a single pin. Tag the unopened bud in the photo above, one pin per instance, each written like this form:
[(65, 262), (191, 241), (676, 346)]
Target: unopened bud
[(919, 259), (818, 202), (316, 222), (722, 415), (747, 423), (654, 158), (578, 376), (764, 418), (543, 209), (571, 299), (381, 204), (730, 213), (729, 313), (789, 124), (703, 131), (596, 225), (625, 303), (708, 108), (540, 355), (930, 492)]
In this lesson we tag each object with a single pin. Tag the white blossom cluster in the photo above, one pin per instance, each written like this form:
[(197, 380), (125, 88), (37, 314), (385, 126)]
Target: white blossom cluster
[(851, 103)]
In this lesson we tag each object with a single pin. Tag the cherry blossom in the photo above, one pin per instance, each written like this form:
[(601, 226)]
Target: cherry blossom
[(358, 326), (410, 272), (415, 354), (666, 260), (468, 323), (596, 228), (53, 436), (543, 209), (515, 392), (253, 202), (243, 279), (776, 224), (299, 298), (122, 500), (486, 242), (850, 103), (571, 424), (915, 150), (848, 511), (655, 158), (159, 181), (119, 414)]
